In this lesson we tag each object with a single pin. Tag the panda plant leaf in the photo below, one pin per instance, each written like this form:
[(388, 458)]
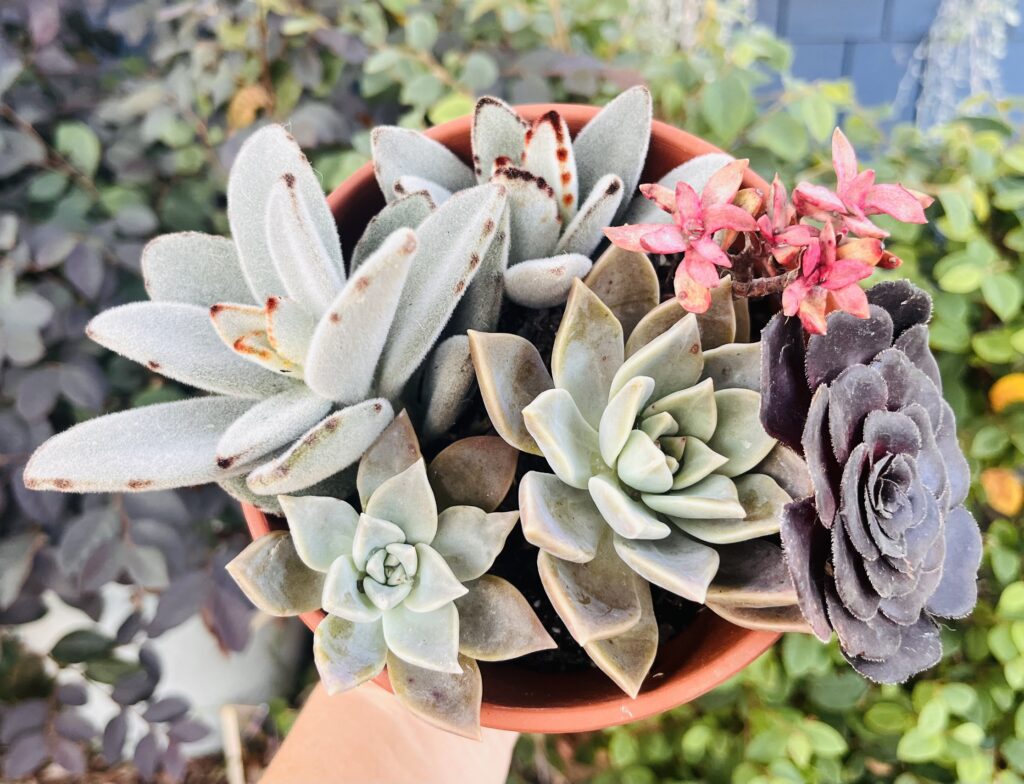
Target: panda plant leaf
[(304, 361), (562, 192)]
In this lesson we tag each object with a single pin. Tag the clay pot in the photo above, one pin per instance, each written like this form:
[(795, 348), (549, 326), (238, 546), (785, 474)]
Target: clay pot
[(706, 653)]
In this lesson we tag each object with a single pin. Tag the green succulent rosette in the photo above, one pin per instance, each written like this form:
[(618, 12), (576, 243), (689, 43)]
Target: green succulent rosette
[(404, 583), (661, 472)]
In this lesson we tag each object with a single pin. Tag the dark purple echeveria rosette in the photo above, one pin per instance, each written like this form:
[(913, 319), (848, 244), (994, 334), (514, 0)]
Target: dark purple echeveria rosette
[(885, 545)]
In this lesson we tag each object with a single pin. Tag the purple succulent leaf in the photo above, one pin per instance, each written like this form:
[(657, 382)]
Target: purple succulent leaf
[(931, 468), (73, 726), (785, 396), (852, 584), (147, 756), (187, 731), (890, 581), (850, 340), (957, 470), (914, 343), (907, 384), (25, 717), (920, 648), (25, 756), (905, 610), (856, 392), (820, 460), (166, 709), (114, 736), (921, 538), (68, 755), (906, 304), (72, 694), (875, 638), (805, 546), (851, 508), (957, 591), (891, 433)]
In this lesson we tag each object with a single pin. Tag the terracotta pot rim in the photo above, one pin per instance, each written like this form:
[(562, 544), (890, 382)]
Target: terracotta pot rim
[(722, 649)]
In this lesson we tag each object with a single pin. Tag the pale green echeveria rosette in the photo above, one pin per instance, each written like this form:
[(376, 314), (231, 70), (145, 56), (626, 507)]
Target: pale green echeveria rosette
[(404, 583), (662, 472), (305, 358), (562, 191)]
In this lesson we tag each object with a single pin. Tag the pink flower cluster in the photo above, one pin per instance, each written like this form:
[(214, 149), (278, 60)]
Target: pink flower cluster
[(823, 240)]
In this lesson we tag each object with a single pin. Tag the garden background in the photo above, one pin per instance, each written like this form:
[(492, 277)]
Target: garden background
[(119, 120)]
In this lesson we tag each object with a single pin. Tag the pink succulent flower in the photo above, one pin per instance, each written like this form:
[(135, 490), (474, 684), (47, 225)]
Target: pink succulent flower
[(781, 234), (695, 219), (829, 273), (857, 196)]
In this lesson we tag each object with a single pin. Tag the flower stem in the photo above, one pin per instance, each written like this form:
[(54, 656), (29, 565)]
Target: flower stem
[(762, 287)]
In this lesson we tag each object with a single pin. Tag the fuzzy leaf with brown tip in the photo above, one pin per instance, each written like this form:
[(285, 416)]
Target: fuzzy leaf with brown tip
[(335, 443), (451, 244), (349, 339), (194, 268), (150, 448)]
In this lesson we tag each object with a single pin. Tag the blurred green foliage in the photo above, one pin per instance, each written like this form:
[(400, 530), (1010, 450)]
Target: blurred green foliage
[(118, 122)]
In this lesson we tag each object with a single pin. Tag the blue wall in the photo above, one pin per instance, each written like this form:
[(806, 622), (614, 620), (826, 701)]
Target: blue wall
[(868, 41)]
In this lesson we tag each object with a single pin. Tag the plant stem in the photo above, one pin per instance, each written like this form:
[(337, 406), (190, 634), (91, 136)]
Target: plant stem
[(762, 287)]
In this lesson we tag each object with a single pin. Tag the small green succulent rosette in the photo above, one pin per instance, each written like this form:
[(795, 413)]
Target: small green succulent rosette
[(662, 472), (404, 583)]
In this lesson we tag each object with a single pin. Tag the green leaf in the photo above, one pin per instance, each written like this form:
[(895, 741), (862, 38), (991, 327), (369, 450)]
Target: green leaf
[(933, 717), (1004, 294), (960, 697), (479, 72), (994, 346), (77, 142), (1011, 602), (421, 32), (825, 739), (1001, 643), (958, 218), (887, 718), (916, 746), (803, 654), (783, 135), (990, 441), (726, 104), (47, 186), (1014, 157), (109, 670), (623, 749), (819, 114), (976, 769), (451, 106), (81, 645)]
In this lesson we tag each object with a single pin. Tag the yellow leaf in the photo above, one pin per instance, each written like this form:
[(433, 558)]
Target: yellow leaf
[(245, 104), (1004, 491), (1007, 391)]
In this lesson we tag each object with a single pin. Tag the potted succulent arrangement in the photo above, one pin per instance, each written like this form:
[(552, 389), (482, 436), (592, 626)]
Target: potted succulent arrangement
[(488, 402)]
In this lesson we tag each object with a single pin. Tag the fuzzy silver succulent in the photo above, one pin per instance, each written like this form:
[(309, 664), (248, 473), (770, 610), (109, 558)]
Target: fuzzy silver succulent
[(306, 360), (655, 447), (885, 545), (404, 583), (562, 192)]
